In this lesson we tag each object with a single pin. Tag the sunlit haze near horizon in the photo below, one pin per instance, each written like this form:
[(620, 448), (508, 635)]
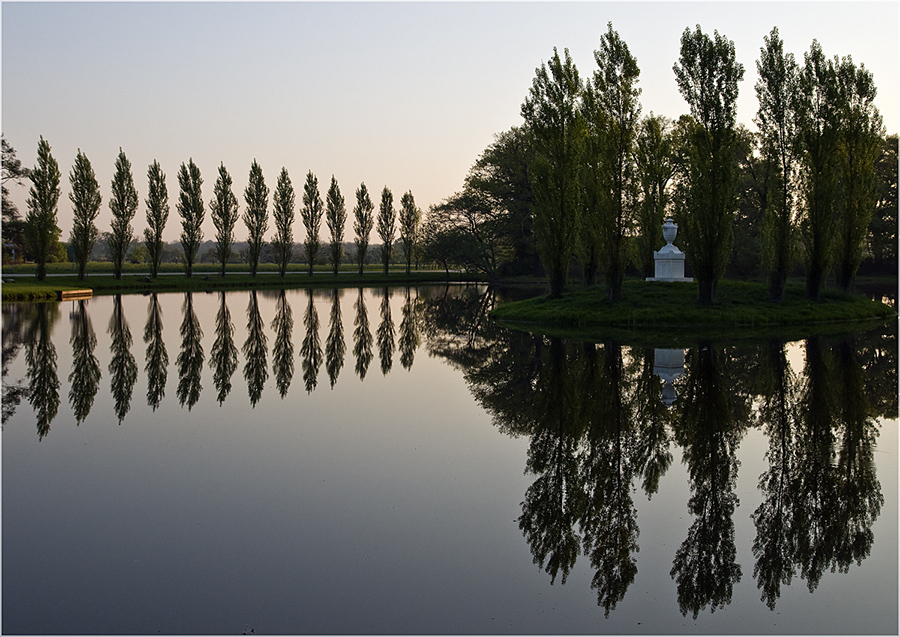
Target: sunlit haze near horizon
[(403, 95)]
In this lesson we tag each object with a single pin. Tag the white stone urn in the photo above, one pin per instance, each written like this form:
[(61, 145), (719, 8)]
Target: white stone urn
[(670, 230)]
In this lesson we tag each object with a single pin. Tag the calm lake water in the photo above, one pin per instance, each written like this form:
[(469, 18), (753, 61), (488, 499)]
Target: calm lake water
[(391, 461)]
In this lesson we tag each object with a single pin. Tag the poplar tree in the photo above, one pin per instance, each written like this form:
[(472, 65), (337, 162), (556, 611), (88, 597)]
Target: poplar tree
[(223, 209), (611, 111), (256, 196), (364, 221), (123, 205), (861, 132), (41, 231), (157, 214), (190, 207), (336, 218), (409, 225), (387, 226), (312, 217), (777, 123), (86, 200), (707, 74), (555, 130), (818, 141), (283, 202)]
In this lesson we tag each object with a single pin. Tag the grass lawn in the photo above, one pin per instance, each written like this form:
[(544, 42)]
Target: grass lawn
[(29, 289), (655, 310)]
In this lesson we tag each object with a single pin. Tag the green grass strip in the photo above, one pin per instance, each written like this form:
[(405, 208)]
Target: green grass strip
[(656, 309)]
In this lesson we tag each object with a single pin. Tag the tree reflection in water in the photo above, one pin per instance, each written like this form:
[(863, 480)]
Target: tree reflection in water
[(335, 347), (122, 367), (384, 335), (311, 350), (595, 418), (362, 337), (255, 350), (13, 326), (84, 379), (283, 348), (409, 340), (223, 355), (157, 358), (190, 358), (40, 358)]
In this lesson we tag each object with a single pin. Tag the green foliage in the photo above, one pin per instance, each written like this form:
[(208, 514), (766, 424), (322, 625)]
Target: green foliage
[(861, 133), (85, 198), (157, 215), (256, 197), (364, 221), (409, 225), (816, 110), (123, 205), (707, 74), (312, 212), (41, 231), (335, 218), (611, 110), (883, 227), (13, 227), (655, 167), (223, 208), (387, 226), (556, 136), (776, 119), (283, 213), (190, 207)]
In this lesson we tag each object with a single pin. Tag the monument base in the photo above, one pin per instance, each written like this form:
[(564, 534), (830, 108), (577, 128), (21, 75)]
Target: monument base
[(671, 279)]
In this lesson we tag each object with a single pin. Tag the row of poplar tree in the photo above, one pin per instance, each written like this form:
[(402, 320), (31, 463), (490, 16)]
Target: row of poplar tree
[(593, 179), (42, 232)]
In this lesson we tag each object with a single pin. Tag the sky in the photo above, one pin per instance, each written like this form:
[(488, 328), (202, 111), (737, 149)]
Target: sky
[(404, 95)]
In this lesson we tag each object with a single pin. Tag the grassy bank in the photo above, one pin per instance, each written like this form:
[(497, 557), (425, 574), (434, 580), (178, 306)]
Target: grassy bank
[(28, 289), (653, 310)]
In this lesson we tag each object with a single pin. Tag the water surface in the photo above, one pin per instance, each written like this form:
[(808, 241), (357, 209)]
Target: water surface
[(390, 461)]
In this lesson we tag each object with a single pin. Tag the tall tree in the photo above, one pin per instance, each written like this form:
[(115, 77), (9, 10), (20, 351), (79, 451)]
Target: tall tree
[(13, 227), (387, 226), (861, 131), (85, 198), (283, 213), (655, 168), (223, 208), (336, 218), (707, 74), (556, 134), (777, 124), (190, 207), (41, 231), (157, 214), (611, 109), (123, 204), (817, 115), (364, 221), (883, 227), (256, 196), (409, 225), (312, 217)]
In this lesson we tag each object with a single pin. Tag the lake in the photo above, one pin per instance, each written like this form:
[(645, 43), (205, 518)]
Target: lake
[(391, 461)]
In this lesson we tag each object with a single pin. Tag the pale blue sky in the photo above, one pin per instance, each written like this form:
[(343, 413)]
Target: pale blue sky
[(399, 94)]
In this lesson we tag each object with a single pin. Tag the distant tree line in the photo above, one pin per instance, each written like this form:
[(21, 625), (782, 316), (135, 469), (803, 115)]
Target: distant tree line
[(588, 180), (37, 237)]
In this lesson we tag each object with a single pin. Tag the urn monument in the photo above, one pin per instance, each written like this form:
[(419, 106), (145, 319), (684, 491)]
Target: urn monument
[(669, 260)]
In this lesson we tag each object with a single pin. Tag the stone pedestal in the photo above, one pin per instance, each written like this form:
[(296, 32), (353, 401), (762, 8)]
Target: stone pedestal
[(669, 260), (668, 364)]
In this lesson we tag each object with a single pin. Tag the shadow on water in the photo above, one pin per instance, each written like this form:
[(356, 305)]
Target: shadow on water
[(601, 419)]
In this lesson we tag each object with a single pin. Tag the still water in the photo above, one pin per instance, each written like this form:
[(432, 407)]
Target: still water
[(391, 461)]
